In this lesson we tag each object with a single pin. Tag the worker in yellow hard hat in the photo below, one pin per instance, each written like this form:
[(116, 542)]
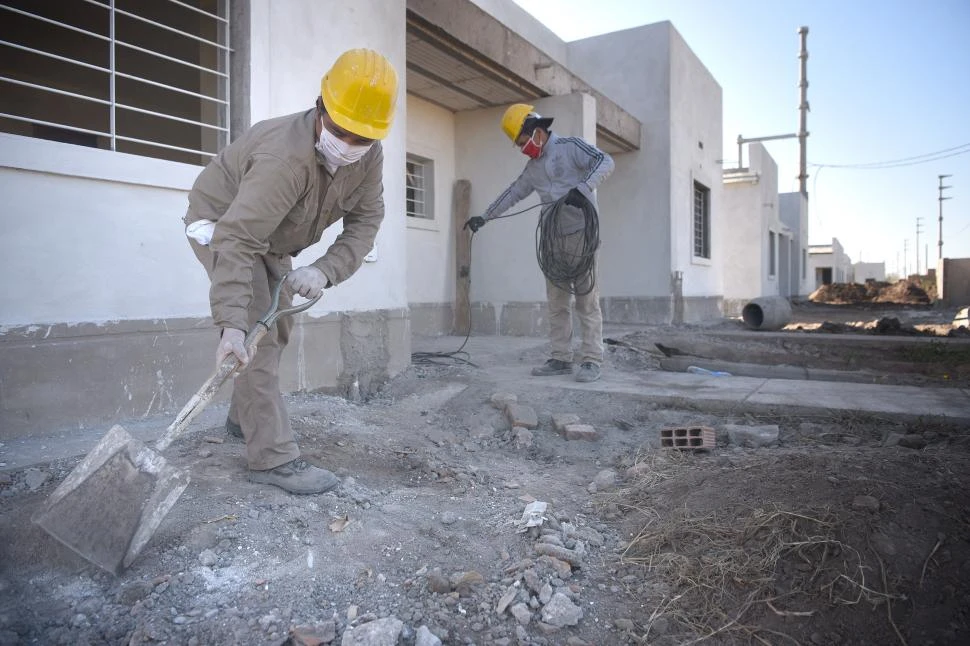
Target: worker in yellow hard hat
[(565, 172), (263, 199)]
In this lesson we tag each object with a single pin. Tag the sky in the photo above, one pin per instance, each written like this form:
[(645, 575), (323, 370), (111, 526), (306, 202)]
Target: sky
[(888, 81)]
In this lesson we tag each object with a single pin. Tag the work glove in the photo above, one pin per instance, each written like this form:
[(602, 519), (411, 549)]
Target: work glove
[(575, 198), (307, 281), (233, 342), (475, 223)]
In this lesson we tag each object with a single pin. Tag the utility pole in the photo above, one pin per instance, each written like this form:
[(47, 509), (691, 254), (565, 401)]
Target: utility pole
[(905, 267), (803, 112), (939, 244), (919, 223), (802, 134)]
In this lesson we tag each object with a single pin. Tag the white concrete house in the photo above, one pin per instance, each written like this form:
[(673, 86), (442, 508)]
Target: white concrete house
[(863, 271), (829, 264), (108, 115), (762, 243)]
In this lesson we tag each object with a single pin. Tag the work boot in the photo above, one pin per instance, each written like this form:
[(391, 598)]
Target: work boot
[(553, 367), (588, 371), (298, 476), (234, 430)]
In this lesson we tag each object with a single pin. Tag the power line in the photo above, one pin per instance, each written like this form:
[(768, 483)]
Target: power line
[(905, 161)]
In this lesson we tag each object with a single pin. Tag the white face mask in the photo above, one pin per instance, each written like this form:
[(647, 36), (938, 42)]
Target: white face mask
[(337, 152)]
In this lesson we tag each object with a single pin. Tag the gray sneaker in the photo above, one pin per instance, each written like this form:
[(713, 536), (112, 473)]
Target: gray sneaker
[(234, 430), (298, 476), (553, 367), (588, 371)]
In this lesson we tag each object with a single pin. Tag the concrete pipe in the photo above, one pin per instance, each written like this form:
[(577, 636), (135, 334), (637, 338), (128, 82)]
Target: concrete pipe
[(767, 313)]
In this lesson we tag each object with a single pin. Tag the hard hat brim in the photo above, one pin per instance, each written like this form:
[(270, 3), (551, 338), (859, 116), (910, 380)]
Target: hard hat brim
[(532, 123)]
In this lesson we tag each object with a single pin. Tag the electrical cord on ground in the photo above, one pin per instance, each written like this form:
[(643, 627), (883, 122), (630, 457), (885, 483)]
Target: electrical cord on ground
[(459, 356), (565, 259)]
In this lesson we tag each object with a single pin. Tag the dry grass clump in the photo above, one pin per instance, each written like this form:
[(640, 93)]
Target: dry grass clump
[(724, 572)]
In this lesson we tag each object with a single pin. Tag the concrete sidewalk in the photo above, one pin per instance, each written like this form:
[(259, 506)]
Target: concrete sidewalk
[(501, 358)]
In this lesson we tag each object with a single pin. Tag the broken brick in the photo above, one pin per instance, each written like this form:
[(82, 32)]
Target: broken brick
[(580, 432), (560, 420)]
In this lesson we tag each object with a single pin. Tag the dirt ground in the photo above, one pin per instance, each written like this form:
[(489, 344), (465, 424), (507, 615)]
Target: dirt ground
[(845, 529)]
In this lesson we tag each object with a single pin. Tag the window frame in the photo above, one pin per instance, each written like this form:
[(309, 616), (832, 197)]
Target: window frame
[(428, 220), (772, 254), (126, 105), (701, 247)]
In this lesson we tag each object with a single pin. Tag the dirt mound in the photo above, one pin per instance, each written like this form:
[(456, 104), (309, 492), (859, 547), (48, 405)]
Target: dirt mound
[(840, 293), (904, 292)]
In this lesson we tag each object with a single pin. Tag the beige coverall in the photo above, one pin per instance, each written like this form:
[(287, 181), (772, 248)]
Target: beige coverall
[(271, 197)]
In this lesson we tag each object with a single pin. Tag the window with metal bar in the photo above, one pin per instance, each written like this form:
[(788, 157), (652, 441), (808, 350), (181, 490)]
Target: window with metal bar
[(419, 183), (772, 253), (702, 221), (146, 78)]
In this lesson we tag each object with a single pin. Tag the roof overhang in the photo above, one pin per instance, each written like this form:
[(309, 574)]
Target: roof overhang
[(461, 58)]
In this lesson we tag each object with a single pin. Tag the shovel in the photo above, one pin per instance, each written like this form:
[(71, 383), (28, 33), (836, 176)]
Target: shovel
[(107, 509)]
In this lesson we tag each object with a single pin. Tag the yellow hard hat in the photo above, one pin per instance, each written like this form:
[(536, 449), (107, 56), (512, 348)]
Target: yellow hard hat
[(514, 118), (359, 93)]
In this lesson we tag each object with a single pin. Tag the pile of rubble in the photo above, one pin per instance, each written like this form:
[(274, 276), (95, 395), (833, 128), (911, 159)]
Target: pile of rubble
[(904, 292)]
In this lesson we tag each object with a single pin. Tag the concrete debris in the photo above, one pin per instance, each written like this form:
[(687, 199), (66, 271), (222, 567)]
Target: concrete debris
[(380, 632), (561, 612), (522, 438), (425, 637), (521, 415), (561, 420), (522, 614), (35, 478), (510, 594), (208, 558), (532, 516), (502, 400), (573, 557), (465, 582), (752, 436), (313, 635), (438, 584)]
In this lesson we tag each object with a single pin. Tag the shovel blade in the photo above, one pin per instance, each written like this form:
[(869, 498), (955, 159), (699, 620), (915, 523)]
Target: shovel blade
[(109, 507)]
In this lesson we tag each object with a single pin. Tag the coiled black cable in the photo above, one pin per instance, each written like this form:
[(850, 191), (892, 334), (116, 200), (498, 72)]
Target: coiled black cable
[(567, 261)]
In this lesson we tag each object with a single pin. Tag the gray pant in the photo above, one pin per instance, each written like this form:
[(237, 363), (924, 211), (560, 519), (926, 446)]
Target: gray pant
[(587, 311), (257, 405)]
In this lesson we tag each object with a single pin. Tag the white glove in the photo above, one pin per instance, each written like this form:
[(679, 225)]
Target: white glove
[(307, 281), (233, 342), (201, 231)]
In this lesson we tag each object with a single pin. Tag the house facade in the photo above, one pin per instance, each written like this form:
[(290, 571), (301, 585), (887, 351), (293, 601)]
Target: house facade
[(109, 113)]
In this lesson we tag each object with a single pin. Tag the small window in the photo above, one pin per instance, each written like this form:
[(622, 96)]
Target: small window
[(772, 252), (420, 187), (702, 221)]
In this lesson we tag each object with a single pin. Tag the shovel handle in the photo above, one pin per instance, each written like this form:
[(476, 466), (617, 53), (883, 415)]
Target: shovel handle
[(230, 365), (204, 395)]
